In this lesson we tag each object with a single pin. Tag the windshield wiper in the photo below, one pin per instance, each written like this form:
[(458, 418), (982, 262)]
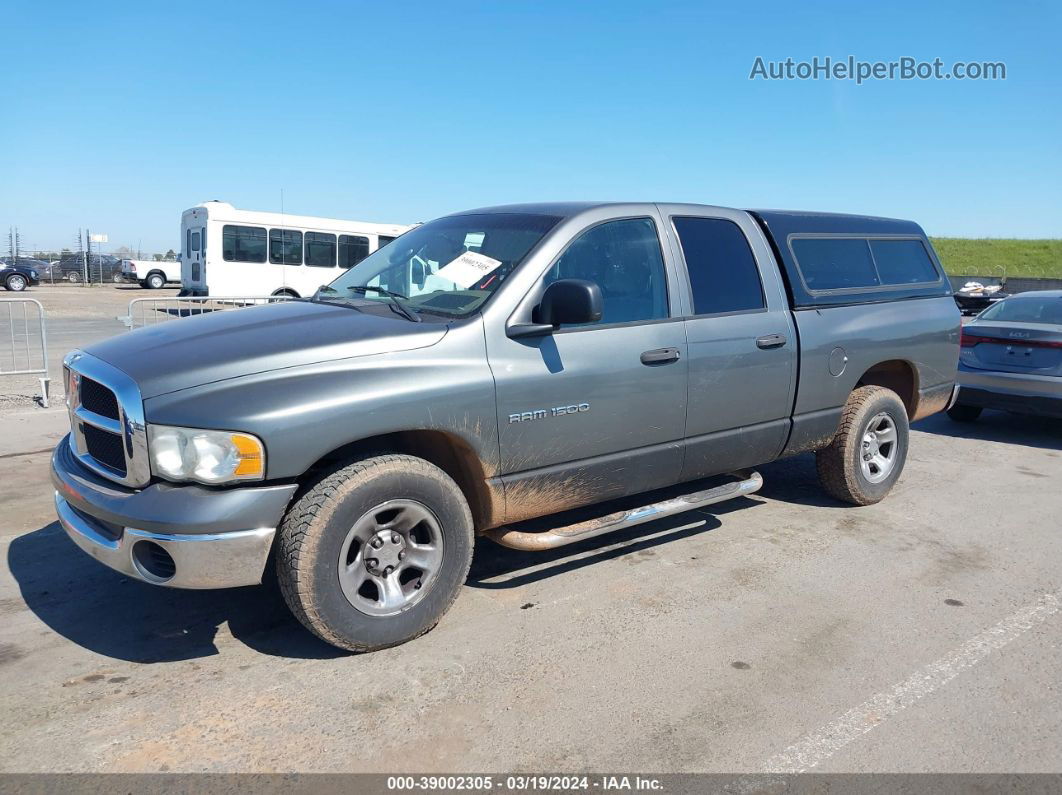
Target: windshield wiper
[(402, 309)]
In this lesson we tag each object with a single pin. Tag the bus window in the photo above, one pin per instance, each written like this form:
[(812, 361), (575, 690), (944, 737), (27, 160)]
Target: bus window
[(352, 250), (320, 249), (384, 240), (243, 243), (195, 241), (285, 247)]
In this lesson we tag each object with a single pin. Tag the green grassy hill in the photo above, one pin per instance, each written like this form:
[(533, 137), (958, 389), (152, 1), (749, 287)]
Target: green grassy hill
[(988, 256)]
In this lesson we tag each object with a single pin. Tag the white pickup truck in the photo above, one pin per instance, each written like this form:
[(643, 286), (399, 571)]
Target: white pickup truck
[(150, 274)]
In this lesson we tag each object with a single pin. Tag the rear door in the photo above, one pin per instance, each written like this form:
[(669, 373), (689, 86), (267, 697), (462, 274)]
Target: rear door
[(193, 259), (742, 345)]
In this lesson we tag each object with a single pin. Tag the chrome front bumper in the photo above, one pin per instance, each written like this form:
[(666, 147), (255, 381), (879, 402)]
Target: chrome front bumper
[(216, 560), (215, 538)]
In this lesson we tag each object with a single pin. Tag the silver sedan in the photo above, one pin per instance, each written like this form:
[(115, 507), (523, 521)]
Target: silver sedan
[(1011, 358)]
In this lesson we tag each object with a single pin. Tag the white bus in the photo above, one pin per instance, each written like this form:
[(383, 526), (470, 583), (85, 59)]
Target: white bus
[(231, 253)]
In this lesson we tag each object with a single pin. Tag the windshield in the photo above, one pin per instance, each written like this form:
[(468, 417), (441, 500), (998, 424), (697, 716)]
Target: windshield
[(447, 267), (1031, 309)]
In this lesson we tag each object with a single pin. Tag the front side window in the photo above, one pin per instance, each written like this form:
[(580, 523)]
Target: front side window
[(722, 269), (285, 247), (835, 263), (243, 243), (623, 258), (320, 249), (448, 267), (352, 250), (903, 262)]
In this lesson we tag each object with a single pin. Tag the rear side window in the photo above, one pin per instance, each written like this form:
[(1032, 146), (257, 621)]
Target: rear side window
[(723, 272), (352, 250), (243, 243), (903, 262), (320, 249), (835, 263), (285, 247)]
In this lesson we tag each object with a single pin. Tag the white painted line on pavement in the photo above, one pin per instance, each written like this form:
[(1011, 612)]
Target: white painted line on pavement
[(828, 740)]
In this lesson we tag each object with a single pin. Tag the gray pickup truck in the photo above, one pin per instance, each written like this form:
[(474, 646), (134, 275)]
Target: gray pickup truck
[(491, 368)]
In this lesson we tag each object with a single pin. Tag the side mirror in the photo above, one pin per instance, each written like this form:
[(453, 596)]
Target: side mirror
[(565, 301), (570, 301)]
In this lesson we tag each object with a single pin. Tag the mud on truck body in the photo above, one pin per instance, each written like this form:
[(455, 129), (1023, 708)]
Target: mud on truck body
[(492, 368)]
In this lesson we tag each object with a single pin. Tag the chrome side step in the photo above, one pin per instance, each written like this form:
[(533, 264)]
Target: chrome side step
[(747, 483)]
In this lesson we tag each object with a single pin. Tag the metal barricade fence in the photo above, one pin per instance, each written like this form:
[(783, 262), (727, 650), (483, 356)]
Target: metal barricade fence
[(152, 311), (24, 341)]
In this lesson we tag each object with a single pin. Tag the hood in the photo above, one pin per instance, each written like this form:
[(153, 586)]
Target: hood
[(188, 352)]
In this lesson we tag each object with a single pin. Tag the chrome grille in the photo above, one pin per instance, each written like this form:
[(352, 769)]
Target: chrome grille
[(96, 397), (108, 433), (105, 447)]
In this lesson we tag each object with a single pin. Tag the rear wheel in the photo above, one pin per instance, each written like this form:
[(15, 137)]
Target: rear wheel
[(868, 453), (155, 281), (116, 277), (73, 277), (374, 554), (961, 412)]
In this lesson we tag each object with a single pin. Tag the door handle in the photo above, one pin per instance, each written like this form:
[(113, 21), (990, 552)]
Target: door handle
[(771, 341), (660, 356)]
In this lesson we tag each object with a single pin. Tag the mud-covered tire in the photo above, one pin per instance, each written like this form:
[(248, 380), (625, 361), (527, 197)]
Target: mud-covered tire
[(313, 533), (839, 465), (963, 413)]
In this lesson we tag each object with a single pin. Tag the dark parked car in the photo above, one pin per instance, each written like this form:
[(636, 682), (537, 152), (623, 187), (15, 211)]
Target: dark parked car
[(18, 277), (1011, 358), (104, 268)]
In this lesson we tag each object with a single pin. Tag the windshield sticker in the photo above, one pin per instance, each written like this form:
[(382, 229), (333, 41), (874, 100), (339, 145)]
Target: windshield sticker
[(468, 269)]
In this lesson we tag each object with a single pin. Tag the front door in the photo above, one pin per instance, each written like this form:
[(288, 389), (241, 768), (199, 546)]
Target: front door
[(597, 410)]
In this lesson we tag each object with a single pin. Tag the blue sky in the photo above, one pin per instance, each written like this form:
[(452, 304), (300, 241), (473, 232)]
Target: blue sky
[(119, 116)]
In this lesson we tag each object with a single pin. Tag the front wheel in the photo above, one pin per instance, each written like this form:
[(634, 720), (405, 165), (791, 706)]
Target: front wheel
[(374, 554), (117, 278), (16, 283), (868, 453)]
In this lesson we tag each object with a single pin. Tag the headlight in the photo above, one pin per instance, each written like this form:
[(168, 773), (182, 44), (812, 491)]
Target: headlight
[(33, 274), (210, 457)]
